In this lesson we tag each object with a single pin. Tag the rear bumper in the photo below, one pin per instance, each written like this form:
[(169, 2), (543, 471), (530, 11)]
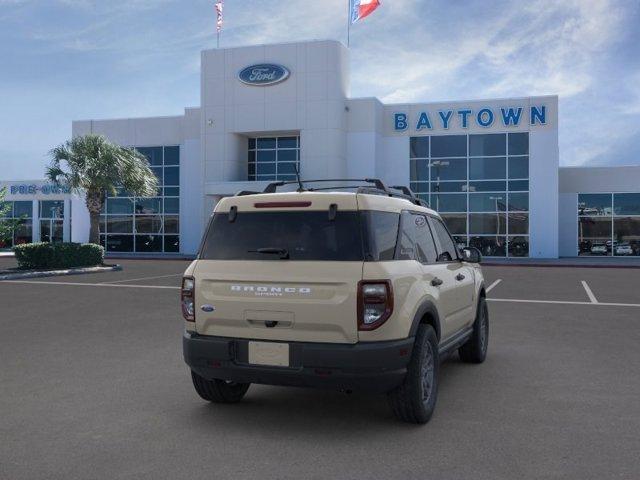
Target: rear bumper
[(369, 366)]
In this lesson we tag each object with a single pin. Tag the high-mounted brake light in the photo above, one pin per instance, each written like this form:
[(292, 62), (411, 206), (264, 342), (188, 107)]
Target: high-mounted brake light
[(375, 303), (281, 204), (187, 298)]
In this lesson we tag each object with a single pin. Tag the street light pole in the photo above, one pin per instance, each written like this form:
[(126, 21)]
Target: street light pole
[(438, 164), (497, 218)]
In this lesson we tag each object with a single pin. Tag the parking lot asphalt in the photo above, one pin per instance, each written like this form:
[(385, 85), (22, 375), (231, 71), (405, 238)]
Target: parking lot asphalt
[(93, 386)]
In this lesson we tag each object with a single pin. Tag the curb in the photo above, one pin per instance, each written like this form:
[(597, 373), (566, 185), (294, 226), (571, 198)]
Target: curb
[(57, 273), (115, 256), (557, 265)]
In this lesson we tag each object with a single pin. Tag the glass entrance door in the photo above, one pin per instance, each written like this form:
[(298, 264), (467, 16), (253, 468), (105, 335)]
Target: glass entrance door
[(51, 231), (51, 221)]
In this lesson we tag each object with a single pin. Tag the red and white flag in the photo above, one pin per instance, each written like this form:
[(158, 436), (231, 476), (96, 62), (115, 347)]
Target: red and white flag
[(219, 7), (361, 8)]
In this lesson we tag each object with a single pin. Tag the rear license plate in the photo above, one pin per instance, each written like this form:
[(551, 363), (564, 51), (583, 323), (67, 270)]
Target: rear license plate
[(269, 353)]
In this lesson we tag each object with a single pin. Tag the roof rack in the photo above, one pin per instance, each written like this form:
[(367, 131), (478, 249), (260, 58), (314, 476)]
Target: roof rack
[(272, 187), (409, 193), (375, 187), (242, 193)]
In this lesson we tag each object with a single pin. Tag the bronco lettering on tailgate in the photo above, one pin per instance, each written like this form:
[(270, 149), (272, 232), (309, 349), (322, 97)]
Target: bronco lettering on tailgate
[(270, 290)]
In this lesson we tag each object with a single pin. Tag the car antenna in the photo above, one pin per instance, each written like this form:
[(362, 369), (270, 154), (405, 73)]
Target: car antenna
[(300, 186)]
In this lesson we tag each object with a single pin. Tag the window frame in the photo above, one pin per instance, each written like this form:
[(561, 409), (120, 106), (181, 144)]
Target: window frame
[(423, 182), (430, 232), (436, 238), (253, 165), (163, 158), (611, 217)]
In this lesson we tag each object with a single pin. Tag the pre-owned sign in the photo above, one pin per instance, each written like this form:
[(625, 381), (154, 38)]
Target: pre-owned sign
[(32, 189)]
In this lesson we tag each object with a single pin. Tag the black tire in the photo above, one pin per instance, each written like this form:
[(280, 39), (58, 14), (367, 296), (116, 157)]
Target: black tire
[(475, 349), (219, 391), (415, 400)]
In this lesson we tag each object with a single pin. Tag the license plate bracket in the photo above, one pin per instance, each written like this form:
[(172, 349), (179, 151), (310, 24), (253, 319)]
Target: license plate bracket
[(272, 354)]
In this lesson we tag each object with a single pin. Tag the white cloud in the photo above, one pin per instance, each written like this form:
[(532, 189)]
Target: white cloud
[(539, 48), (436, 49)]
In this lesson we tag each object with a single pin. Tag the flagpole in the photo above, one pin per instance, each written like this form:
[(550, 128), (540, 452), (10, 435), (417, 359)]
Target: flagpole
[(348, 22), (219, 7)]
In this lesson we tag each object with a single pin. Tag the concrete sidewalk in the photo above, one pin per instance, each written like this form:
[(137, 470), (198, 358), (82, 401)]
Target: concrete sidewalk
[(586, 262)]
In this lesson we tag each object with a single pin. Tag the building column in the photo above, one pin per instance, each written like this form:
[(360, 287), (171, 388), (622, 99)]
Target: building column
[(35, 225), (66, 221)]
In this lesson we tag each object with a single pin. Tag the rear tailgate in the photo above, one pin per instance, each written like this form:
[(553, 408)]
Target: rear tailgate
[(281, 267), (278, 300)]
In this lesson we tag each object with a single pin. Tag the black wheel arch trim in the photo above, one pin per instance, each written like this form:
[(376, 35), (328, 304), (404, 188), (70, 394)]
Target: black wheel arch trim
[(482, 292), (426, 307)]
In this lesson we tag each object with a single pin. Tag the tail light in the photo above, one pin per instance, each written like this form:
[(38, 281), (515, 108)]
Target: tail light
[(187, 299), (375, 303)]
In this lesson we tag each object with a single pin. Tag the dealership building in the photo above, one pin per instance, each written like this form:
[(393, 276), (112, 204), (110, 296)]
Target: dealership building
[(490, 167)]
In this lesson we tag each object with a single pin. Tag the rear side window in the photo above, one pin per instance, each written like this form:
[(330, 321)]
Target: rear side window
[(380, 230), (447, 250), (302, 235), (415, 241)]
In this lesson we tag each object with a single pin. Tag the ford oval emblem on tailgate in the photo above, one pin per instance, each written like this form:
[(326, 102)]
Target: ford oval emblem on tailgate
[(207, 308)]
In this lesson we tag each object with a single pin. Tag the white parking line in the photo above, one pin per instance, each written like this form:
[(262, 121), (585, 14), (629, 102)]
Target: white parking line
[(493, 285), (590, 294), (80, 284), (505, 300), (563, 302), (142, 278)]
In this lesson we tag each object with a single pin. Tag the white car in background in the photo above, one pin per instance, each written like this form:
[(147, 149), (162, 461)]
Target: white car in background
[(599, 249), (624, 249)]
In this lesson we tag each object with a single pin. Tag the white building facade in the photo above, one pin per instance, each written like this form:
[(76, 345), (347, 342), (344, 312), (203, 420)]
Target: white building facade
[(42, 212), (489, 167)]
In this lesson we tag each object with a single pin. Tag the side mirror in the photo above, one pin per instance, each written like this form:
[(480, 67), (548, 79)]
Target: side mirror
[(471, 255), (444, 257)]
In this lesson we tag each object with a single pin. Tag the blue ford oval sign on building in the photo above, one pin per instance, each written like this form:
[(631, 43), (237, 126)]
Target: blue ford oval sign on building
[(263, 74)]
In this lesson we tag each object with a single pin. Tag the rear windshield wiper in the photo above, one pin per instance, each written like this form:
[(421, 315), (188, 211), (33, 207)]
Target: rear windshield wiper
[(283, 252)]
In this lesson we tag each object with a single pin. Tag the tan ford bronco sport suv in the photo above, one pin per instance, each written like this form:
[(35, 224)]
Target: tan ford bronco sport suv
[(346, 287)]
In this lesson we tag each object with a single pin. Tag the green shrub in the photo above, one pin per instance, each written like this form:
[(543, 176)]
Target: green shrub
[(58, 255)]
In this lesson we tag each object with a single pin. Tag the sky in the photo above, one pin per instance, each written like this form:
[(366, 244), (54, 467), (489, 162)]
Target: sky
[(64, 60)]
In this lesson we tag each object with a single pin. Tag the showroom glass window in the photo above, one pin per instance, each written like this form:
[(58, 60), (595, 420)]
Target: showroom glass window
[(20, 214), (273, 158), (480, 186), (146, 224), (609, 224)]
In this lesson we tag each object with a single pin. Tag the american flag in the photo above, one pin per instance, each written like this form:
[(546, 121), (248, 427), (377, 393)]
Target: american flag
[(219, 6)]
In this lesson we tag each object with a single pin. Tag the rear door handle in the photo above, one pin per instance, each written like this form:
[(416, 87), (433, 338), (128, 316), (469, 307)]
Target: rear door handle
[(460, 277), (436, 282)]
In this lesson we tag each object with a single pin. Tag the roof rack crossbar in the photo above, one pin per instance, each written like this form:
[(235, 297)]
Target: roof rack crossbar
[(337, 187), (409, 193), (242, 193), (377, 188), (272, 187), (404, 189)]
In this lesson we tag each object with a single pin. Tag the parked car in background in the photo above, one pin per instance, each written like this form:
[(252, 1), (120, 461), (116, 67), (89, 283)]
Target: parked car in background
[(585, 247), (624, 249), (599, 249)]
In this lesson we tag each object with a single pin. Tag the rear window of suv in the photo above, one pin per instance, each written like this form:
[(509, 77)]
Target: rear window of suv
[(310, 235)]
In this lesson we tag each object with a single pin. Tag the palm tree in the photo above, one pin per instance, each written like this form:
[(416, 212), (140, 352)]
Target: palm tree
[(94, 166), (6, 226)]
